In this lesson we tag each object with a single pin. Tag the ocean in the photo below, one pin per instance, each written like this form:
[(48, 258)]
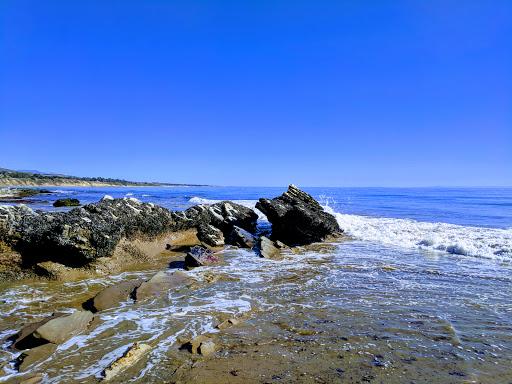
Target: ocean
[(421, 292)]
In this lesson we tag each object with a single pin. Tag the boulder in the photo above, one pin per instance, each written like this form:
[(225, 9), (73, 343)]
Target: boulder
[(66, 203), (25, 338), (62, 328), (270, 249), (33, 356), (241, 238), (297, 218), (132, 355), (161, 283), (110, 297), (201, 344), (200, 256)]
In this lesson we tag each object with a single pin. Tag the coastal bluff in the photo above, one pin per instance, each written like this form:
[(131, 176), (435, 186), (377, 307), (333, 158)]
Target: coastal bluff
[(108, 236)]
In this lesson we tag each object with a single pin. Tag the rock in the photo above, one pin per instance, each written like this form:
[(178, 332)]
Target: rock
[(25, 339), (270, 249), (297, 218), (34, 379), (62, 328), (210, 235), (111, 296), (34, 356), (207, 348), (182, 241), (224, 215), (132, 355), (199, 256), (228, 323), (241, 238), (201, 344), (57, 271), (81, 236), (161, 283), (66, 203)]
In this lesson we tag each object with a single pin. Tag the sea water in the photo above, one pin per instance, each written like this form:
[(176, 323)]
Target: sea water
[(424, 283)]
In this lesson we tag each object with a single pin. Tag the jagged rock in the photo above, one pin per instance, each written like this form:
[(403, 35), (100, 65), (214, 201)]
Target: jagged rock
[(62, 328), (210, 235), (111, 296), (25, 338), (297, 218), (161, 283), (270, 249), (66, 203), (132, 355), (34, 356), (224, 215), (83, 235), (199, 256), (241, 238)]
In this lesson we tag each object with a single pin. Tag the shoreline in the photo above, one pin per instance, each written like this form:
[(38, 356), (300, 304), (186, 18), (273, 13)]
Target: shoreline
[(18, 184)]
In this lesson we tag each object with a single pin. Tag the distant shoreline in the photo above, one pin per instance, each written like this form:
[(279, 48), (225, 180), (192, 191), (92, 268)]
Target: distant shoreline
[(13, 183)]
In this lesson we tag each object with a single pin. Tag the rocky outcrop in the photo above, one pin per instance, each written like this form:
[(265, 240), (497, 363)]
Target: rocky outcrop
[(66, 203), (297, 218), (123, 227)]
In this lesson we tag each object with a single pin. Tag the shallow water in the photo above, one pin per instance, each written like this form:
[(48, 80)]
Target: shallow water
[(400, 310)]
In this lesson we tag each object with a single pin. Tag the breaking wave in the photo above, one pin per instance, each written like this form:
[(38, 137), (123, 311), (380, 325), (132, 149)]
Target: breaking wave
[(492, 243)]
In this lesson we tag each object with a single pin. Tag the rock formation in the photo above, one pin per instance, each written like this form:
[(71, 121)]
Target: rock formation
[(297, 218)]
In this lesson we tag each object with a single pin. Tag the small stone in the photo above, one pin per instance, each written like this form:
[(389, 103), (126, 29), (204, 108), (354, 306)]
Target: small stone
[(132, 355), (228, 323), (207, 348)]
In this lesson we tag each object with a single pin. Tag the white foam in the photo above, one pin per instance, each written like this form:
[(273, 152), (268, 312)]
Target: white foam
[(490, 243)]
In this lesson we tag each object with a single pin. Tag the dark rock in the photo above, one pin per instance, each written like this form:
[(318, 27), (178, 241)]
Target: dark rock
[(297, 218), (241, 238), (200, 256), (161, 283), (83, 235), (111, 296), (66, 203), (210, 235)]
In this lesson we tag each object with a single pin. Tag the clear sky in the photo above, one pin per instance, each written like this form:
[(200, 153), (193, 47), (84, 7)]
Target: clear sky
[(318, 93)]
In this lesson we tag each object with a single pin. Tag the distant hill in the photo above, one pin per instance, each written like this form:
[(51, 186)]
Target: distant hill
[(9, 177)]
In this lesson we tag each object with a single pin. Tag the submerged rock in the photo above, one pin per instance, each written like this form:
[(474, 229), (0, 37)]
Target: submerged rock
[(297, 218), (161, 283), (132, 355), (25, 338), (62, 328), (66, 203), (111, 296), (33, 356), (199, 256)]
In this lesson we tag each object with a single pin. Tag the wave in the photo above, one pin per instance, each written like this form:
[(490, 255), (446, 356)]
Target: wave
[(492, 243)]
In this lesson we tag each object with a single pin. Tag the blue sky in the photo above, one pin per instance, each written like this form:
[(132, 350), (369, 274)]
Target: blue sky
[(318, 93)]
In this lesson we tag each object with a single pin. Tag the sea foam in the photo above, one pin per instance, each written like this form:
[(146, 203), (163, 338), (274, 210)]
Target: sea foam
[(492, 243)]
